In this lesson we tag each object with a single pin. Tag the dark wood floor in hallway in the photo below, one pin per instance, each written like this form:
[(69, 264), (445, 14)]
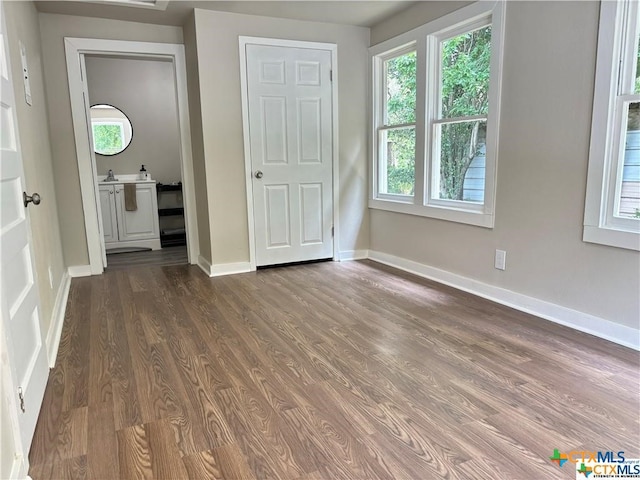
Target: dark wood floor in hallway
[(332, 370)]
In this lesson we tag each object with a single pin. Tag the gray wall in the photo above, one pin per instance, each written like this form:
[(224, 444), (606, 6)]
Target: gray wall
[(548, 86), (413, 17), (219, 81), (53, 29), (145, 91), (197, 138)]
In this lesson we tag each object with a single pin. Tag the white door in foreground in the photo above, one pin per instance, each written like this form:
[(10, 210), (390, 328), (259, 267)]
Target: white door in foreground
[(25, 357), (290, 110)]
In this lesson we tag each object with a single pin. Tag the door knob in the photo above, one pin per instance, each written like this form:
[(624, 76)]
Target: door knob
[(259, 174), (35, 198)]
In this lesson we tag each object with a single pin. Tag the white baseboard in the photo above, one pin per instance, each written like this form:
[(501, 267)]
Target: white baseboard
[(79, 271), (353, 255), (584, 322), (230, 268), (222, 268), (204, 265), (57, 319)]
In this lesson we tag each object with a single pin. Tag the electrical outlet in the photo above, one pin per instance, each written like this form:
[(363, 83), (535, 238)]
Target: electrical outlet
[(50, 278), (501, 260)]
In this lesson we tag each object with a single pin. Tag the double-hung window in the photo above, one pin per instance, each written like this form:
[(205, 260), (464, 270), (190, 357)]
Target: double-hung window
[(459, 121), (612, 207), (397, 130), (436, 92)]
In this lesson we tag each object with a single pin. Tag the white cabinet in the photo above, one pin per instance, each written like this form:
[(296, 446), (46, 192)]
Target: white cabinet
[(108, 209), (140, 224), (137, 228)]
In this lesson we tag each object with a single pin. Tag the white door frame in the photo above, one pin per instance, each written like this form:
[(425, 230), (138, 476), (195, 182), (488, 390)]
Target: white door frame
[(273, 42), (76, 49)]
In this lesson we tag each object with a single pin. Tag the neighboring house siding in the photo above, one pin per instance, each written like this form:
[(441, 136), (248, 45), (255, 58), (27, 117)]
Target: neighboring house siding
[(630, 195), (473, 188)]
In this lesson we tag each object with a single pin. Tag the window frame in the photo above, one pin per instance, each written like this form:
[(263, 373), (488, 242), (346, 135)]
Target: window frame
[(613, 84), (381, 125), (426, 41)]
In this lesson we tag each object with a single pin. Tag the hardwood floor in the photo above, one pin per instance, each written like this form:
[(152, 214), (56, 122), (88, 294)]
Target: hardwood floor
[(165, 257), (332, 370)]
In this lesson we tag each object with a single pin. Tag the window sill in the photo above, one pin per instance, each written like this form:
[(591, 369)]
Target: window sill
[(612, 238), (478, 219)]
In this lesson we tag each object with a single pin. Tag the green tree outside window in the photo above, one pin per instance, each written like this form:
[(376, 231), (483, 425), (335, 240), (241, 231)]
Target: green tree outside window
[(464, 92), (401, 109), (108, 138)]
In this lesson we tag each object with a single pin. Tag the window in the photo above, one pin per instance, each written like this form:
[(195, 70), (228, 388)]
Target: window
[(460, 124), (436, 105), (108, 136), (612, 207), (397, 134)]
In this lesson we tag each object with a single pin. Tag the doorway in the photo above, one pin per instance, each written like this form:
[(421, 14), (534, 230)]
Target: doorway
[(289, 94), (96, 193), (134, 123)]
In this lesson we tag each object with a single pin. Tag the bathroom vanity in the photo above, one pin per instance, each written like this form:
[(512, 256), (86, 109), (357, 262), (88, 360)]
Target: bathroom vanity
[(129, 229)]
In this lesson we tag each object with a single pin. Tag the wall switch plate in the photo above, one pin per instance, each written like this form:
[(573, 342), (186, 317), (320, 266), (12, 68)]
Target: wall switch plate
[(501, 259), (25, 73)]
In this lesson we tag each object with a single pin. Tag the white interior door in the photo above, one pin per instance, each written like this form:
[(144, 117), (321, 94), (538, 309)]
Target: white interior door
[(290, 130), (19, 299)]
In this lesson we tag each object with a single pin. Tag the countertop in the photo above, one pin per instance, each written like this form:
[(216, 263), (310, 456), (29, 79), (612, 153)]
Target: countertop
[(126, 178)]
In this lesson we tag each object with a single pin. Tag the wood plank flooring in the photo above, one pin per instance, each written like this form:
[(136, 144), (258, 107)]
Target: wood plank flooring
[(164, 257), (333, 370)]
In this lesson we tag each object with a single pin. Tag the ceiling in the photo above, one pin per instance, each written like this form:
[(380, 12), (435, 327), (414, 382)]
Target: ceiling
[(360, 13)]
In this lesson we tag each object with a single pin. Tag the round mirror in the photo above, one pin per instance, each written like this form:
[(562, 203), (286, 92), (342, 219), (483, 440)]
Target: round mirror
[(111, 129)]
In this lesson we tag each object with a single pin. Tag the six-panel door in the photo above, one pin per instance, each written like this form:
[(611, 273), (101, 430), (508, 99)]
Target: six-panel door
[(290, 128)]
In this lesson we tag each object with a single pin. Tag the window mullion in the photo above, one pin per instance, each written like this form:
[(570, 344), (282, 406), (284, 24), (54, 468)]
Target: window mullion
[(397, 127), (421, 137), (432, 113), (452, 120)]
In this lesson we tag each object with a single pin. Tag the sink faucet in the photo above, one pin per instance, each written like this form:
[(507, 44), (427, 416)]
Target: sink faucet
[(110, 177)]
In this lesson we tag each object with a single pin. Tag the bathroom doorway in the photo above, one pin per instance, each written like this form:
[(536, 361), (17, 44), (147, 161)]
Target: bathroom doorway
[(133, 103), (136, 142)]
